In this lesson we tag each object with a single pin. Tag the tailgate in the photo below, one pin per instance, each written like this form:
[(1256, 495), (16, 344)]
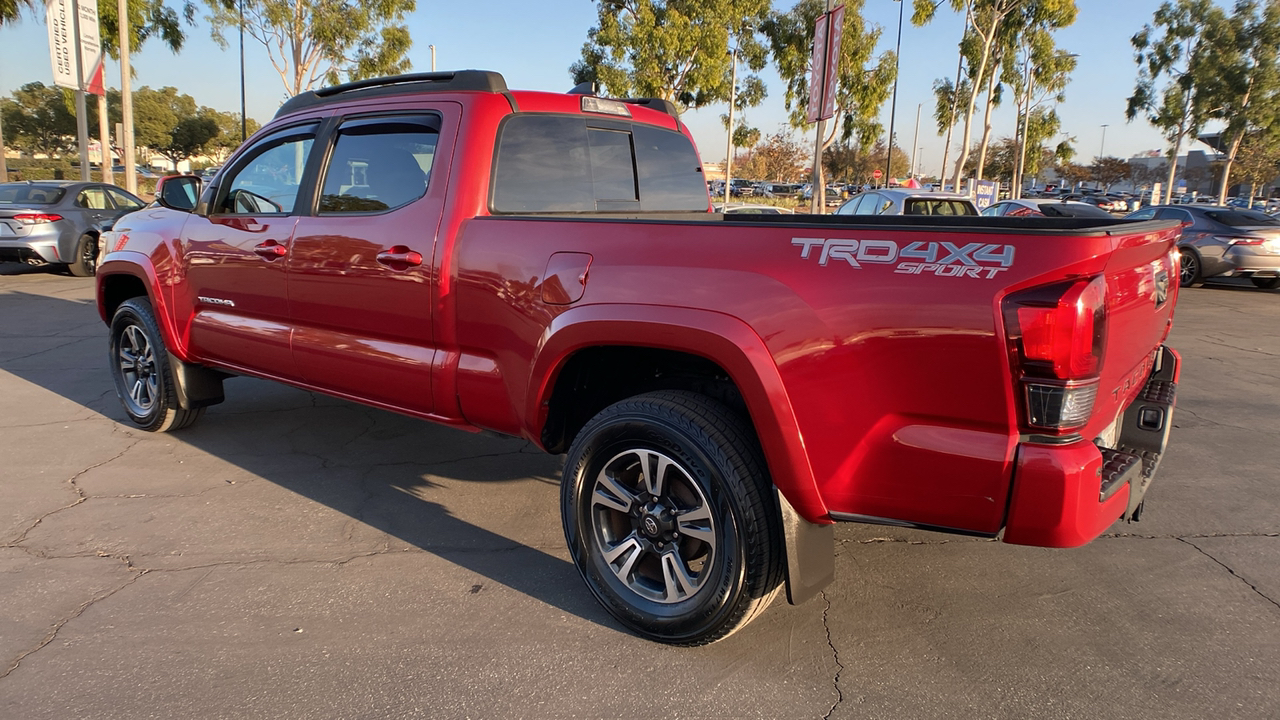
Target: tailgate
[(1142, 286)]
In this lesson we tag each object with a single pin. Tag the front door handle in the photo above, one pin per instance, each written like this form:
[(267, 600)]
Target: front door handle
[(271, 250), (400, 258)]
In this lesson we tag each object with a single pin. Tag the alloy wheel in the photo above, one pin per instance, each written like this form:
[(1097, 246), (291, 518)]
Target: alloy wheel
[(1189, 268), (653, 526), (136, 363)]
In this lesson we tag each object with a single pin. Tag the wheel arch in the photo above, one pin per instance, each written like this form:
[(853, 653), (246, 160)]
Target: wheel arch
[(705, 343), (122, 277)]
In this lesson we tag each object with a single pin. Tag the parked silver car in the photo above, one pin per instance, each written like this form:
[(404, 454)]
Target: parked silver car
[(1223, 242), (902, 201), (59, 221)]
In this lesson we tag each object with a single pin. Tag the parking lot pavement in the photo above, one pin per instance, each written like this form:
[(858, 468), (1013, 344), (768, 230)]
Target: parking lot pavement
[(296, 556)]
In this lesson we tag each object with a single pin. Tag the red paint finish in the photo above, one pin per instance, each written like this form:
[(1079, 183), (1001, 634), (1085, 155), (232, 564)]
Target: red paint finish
[(1055, 501), (874, 365)]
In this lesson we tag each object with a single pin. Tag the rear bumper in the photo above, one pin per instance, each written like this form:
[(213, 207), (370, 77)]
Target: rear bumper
[(1067, 495)]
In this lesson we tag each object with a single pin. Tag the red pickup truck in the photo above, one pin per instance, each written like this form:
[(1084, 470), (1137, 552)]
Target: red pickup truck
[(725, 387)]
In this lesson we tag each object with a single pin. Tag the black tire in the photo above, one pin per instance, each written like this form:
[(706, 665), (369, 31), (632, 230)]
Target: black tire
[(1267, 283), (1189, 268), (85, 263), (140, 368), (712, 557)]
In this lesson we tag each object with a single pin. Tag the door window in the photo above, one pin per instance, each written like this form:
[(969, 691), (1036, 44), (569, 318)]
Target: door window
[(379, 164), (94, 198), (266, 181), (123, 200)]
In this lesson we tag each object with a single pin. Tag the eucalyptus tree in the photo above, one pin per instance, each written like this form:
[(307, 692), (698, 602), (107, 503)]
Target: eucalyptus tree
[(863, 83), (678, 50), (1174, 73), (310, 41), (1039, 81), (994, 29), (1244, 88)]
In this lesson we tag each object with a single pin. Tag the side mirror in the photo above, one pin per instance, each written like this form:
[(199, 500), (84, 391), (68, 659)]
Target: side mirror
[(178, 192)]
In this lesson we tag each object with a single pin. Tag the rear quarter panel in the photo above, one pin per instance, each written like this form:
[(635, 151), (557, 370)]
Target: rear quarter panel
[(900, 383)]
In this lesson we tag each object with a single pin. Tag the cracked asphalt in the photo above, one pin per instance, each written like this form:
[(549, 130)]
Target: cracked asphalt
[(296, 556)]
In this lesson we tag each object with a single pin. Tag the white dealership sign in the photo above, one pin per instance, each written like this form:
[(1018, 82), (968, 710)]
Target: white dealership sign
[(62, 51)]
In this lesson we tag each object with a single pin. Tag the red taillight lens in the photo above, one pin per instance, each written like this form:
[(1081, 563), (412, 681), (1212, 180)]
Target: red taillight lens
[(1057, 336), (36, 218), (1059, 331)]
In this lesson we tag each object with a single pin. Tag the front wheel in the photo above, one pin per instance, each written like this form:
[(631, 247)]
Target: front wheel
[(1270, 283), (670, 518), (140, 367)]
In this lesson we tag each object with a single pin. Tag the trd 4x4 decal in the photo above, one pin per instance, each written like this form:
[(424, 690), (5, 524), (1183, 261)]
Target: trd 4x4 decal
[(944, 259)]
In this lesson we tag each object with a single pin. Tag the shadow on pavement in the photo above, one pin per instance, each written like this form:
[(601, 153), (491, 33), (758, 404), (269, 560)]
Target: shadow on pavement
[(373, 465)]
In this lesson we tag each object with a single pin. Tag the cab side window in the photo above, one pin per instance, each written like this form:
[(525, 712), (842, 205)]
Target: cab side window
[(266, 181), (379, 164), (94, 198)]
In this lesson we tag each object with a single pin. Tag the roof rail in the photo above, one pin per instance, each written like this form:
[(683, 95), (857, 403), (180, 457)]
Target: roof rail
[(457, 81), (658, 104)]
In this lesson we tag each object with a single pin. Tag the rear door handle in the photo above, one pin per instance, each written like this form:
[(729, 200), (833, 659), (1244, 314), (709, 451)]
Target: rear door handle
[(400, 257), (271, 250)]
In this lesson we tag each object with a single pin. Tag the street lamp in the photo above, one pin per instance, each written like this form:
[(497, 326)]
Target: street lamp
[(1103, 147), (893, 108)]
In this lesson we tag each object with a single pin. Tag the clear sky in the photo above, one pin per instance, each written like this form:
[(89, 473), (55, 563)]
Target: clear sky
[(533, 44)]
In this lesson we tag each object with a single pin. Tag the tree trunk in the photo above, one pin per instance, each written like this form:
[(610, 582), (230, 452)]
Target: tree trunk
[(987, 42), (986, 127), (4, 165), (1226, 169)]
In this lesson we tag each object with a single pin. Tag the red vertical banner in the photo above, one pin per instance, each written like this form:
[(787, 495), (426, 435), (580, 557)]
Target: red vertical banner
[(827, 33), (834, 36)]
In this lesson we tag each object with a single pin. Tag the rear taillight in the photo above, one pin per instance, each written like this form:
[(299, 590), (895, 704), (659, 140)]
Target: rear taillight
[(1057, 337), (36, 218), (1240, 240)]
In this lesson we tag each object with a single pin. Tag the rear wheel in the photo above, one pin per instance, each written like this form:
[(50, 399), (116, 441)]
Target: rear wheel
[(669, 515), (1189, 268), (85, 263), (1268, 283), (140, 367)]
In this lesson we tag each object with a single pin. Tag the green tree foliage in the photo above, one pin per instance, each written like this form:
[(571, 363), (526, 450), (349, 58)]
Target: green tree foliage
[(228, 137), (330, 40), (995, 28), (1259, 160), (679, 50), (862, 85), (39, 119), (1108, 171), (10, 12), (1244, 90), (1073, 173), (171, 124), (1173, 67), (778, 158), (147, 19), (851, 162)]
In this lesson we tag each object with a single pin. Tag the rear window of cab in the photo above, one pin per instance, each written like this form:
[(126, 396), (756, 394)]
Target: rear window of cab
[(576, 164)]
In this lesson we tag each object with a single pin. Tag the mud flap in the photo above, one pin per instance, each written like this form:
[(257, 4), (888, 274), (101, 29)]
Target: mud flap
[(196, 386), (1144, 429), (810, 552)]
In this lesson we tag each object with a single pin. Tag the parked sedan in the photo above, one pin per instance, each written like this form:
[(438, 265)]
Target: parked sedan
[(750, 209), (1044, 207), (902, 201), (1222, 241), (59, 222)]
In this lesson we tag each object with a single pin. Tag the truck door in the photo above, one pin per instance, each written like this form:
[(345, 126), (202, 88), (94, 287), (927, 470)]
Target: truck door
[(360, 273), (234, 256)]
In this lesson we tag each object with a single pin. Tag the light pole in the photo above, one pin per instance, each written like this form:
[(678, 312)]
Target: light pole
[(433, 57), (728, 152), (916, 142), (1102, 148), (893, 108), (244, 120)]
